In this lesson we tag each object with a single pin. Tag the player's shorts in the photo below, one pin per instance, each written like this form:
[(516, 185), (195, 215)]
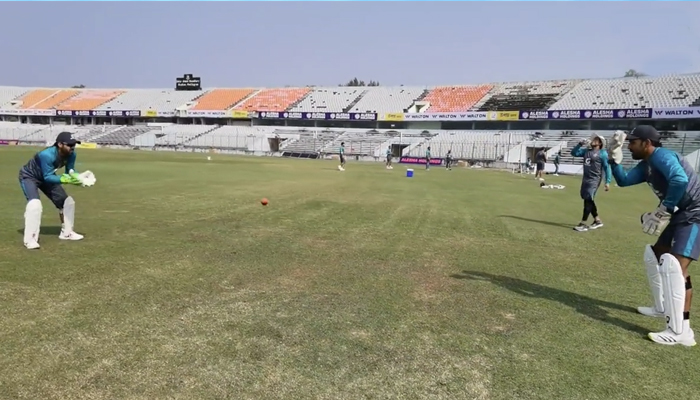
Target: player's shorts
[(53, 191), (388, 158), (540, 166), (683, 238), (342, 159)]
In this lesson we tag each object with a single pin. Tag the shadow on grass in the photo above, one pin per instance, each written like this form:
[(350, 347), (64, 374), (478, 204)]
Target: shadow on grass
[(557, 224), (45, 230), (588, 306)]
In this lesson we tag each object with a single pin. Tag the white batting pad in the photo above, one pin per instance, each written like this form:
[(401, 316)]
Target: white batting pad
[(68, 214), (32, 221), (87, 178), (652, 266), (673, 284)]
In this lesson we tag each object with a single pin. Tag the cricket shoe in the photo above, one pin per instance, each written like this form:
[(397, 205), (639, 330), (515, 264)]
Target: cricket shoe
[(670, 338), (70, 236), (32, 245), (596, 225), (581, 228), (650, 312)]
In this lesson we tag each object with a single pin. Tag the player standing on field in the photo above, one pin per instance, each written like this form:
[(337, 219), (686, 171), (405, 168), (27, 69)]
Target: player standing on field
[(39, 174), (595, 164), (341, 151), (427, 158), (540, 160), (388, 158), (676, 221), (448, 160)]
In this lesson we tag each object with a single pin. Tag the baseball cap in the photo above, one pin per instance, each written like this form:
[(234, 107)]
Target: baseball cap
[(67, 138), (644, 132)]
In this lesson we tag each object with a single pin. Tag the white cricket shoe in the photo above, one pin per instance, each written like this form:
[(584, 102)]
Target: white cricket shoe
[(669, 338), (32, 245), (650, 312), (70, 236)]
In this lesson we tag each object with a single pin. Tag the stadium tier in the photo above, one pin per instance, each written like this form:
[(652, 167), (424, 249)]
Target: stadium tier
[(664, 92), (524, 95), (674, 91), (489, 124)]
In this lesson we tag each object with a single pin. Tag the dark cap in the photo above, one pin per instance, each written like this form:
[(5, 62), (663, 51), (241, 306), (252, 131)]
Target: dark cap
[(645, 132), (67, 138)]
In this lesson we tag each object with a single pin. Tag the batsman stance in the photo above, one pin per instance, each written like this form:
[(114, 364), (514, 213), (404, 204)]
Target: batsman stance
[(676, 221), (40, 174)]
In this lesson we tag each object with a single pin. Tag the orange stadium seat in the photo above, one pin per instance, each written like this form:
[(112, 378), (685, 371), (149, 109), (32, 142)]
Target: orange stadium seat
[(221, 99), (273, 99), (36, 97), (44, 99), (455, 98), (89, 99)]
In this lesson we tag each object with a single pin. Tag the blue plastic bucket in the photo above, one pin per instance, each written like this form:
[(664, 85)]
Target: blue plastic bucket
[(409, 173)]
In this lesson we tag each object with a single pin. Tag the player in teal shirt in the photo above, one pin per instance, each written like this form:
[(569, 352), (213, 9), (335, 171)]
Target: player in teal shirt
[(388, 158), (427, 158), (341, 151), (39, 175)]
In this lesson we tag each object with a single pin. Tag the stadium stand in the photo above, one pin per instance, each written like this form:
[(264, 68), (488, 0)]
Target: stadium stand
[(308, 142), (322, 138), (175, 135), (7, 94), (150, 99), (45, 99), (227, 137), (455, 98), (122, 136), (388, 99), (340, 99), (88, 99), (472, 145), (662, 92), (222, 99), (357, 142), (273, 99), (524, 95), (16, 131)]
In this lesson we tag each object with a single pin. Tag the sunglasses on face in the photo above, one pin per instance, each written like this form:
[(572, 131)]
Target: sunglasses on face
[(69, 145)]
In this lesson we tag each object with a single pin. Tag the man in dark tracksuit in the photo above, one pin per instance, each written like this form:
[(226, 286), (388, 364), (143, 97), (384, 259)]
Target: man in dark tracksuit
[(39, 174), (595, 164), (540, 160)]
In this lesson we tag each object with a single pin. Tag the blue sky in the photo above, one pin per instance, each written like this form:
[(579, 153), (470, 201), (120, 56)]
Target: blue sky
[(275, 44)]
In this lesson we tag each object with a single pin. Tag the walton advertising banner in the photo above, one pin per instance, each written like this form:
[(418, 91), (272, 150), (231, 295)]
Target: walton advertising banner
[(676, 113)]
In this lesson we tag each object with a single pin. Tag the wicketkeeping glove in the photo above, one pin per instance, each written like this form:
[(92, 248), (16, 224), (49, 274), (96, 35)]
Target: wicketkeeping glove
[(654, 223), (71, 179), (615, 146), (87, 178)]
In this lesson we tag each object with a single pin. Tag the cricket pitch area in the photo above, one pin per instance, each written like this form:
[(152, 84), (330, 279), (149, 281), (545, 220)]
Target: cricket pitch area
[(362, 284)]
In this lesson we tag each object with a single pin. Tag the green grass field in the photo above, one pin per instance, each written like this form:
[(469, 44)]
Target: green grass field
[(363, 284)]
